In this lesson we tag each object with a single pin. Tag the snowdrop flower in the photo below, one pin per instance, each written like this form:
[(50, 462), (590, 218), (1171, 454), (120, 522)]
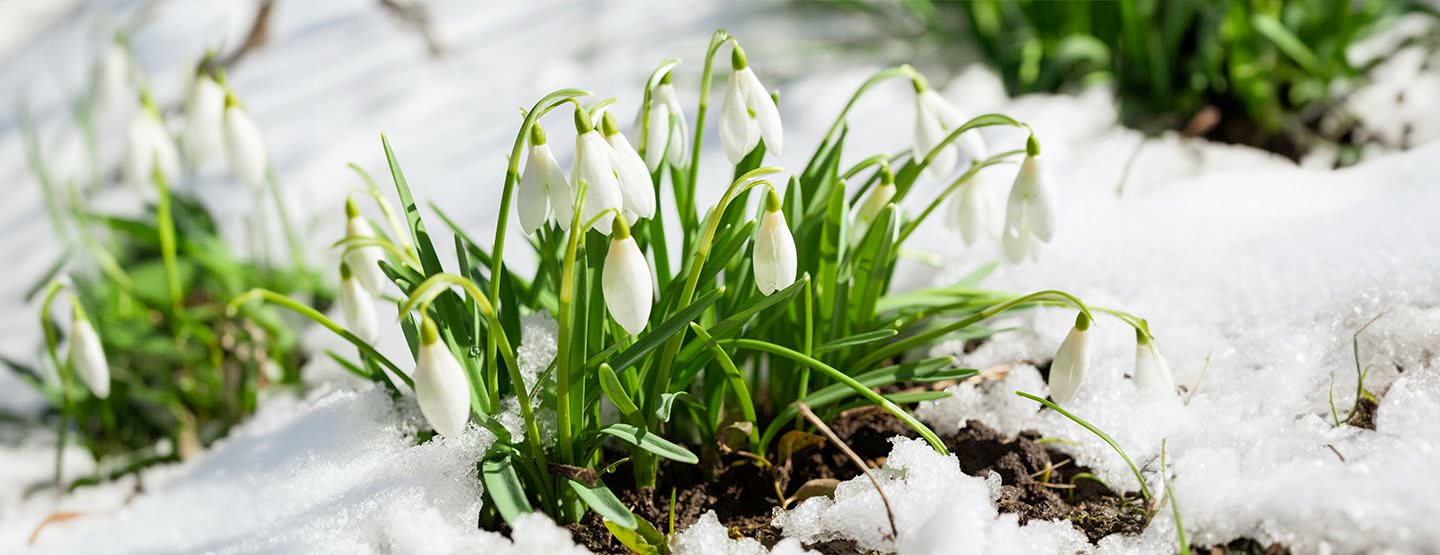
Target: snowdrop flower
[(663, 140), (440, 384), (364, 261), (935, 117), (149, 148), (636, 189), (1152, 373), (1030, 212), (356, 306), (542, 185), (974, 211), (594, 165), (248, 157), (626, 280), (1071, 361), (774, 260), (748, 114), (87, 356), (117, 71), (204, 118), (875, 201)]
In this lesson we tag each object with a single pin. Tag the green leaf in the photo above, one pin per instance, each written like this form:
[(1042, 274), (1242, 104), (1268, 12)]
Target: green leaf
[(667, 401), (503, 487), (603, 501), (644, 539), (429, 260), (658, 334), (853, 340), (734, 378), (916, 397), (616, 392), (650, 442)]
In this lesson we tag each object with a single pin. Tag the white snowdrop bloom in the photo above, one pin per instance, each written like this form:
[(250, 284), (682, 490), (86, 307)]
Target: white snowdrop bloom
[(542, 184), (594, 164), (1068, 368), (935, 118), (1030, 211), (875, 201), (149, 148), (1152, 373), (364, 261), (636, 189), (246, 148), (974, 210), (440, 384), (357, 307), (748, 114), (626, 280), (664, 140), (204, 119), (775, 262), (87, 356), (117, 73)]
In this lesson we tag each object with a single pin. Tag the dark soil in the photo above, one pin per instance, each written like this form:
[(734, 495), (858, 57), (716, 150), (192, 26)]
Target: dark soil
[(1365, 413), (1242, 546), (744, 496)]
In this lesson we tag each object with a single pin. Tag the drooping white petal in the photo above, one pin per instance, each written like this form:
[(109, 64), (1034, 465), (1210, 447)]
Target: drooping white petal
[(626, 283), (149, 147), (970, 142), (739, 132), (775, 261), (533, 199), (116, 75), (441, 389), (767, 115), (928, 133), (636, 189), (1040, 197), (593, 163), (87, 357), (358, 307), (680, 130), (1068, 369), (246, 147), (1016, 245), (364, 262), (974, 212), (204, 119), (1152, 373), (657, 131)]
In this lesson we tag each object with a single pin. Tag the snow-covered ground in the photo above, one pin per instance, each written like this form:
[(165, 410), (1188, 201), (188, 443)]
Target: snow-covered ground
[(1253, 272)]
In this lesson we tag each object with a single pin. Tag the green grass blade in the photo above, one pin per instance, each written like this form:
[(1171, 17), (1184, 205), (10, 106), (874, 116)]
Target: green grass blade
[(650, 442), (503, 487)]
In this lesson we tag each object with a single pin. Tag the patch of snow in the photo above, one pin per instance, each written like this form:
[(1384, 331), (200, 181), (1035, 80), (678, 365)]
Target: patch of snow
[(708, 537)]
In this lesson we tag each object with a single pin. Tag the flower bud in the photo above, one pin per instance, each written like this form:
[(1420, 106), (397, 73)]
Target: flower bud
[(626, 280), (248, 158), (974, 211), (1071, 362), (542, 184), (149, 149), (775, 262), (935, 118), (440, 384), (1152, 373), (87, 356), (666, 140), (357, 307), (364, 261), (748, 113), (875, 201), (204, 119)]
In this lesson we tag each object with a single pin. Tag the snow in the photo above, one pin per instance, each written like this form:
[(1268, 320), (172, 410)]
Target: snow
[(1253, 272)]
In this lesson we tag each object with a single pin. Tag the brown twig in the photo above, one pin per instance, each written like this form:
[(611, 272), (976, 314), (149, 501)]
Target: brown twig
[(257, 37), (820, 425)]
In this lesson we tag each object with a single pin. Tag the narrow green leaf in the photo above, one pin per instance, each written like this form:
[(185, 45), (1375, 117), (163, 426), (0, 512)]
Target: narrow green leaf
[(667, 402), (603, 501), (503, 487), (658, 334), (610, 383), (853, 340), (650, 442)]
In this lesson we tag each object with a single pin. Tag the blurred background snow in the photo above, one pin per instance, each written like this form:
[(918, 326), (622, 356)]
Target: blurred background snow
[(1245, 263)]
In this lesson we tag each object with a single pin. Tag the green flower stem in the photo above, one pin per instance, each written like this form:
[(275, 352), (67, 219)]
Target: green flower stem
[(1174, 503), (986, 120), (165, 223), (707, 77), (502, 223), (315, 316), (655, 77), (737, 383), (51, 348), (917, 340), (1144, 490), (850, 382), (434, 286), (292, 239), (566, 298), (964, 178), (397, 228)]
